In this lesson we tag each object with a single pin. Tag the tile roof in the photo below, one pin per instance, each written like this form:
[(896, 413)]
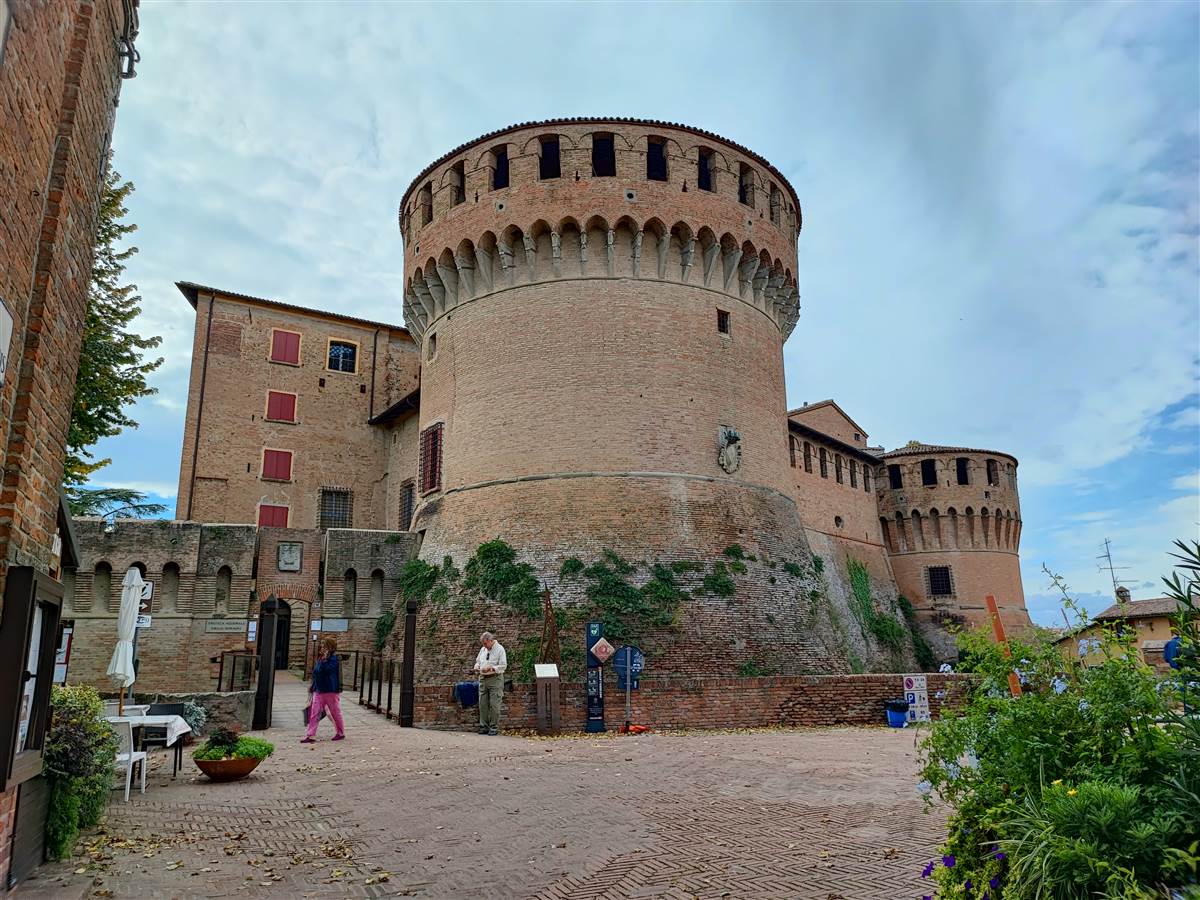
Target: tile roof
[(1141, 609), (618, 120), (916, 447), (809, 407), (190, 289)]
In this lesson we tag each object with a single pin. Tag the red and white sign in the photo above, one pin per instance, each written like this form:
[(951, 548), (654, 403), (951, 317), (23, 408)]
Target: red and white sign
[(602, 650)]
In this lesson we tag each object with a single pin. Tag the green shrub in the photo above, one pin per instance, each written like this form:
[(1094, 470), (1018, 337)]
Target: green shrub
[(494, 572), (620, 566), (752, 668), (383, 628), (78, 763), (737, 567), (416, 579), (681, 566), (793, 569), (818, 564), (571, 567), (220, 746), (887, 631), (921, 648), (1086, 785), (718, 581), (735, 551), (449, 570)]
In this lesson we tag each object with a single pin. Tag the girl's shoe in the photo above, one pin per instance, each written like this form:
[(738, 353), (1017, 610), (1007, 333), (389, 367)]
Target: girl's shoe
[(339, 737), (308, 741)]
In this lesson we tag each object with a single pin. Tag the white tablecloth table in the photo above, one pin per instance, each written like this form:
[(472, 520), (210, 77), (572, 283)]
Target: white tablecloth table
[(176, 726)]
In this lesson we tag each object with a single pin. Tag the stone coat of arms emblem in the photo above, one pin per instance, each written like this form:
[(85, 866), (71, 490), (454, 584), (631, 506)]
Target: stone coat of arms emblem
[(729, 457)]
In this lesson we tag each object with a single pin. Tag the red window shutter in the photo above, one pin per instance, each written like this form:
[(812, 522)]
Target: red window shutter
[(285, 347), (281, 407), (271, 516), (277, 465)]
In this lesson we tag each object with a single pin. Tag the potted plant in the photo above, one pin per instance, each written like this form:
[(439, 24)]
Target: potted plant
[(228, 756)]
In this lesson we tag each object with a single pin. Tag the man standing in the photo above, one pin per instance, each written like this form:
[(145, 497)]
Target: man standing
[(490, 664)]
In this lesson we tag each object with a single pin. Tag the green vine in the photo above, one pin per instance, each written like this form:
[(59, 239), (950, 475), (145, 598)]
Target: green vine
[(571, 567), (718, 581), (417, 578), (495, 573), (921, 648), (383, 628), (887, 630)]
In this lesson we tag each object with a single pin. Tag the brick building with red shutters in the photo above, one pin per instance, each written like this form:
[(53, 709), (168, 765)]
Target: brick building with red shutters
[(591, 364), (61, 70)]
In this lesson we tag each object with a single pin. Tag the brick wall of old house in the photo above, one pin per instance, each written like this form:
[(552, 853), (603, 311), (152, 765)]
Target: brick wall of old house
[(330, 442), (828, 418), (59, 83)]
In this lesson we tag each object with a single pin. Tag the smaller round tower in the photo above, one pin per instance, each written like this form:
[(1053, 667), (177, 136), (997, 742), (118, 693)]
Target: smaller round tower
[(951, 520)]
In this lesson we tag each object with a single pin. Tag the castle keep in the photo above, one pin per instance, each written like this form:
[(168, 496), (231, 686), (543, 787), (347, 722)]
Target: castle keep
[(591, 369)]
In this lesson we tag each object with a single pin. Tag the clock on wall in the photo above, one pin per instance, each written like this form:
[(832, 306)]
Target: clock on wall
[(289, 555)]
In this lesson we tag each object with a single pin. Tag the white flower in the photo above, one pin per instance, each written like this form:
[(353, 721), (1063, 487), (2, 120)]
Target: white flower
[(952, 771), (971, 761), (1084, 705), (945, 667), (924, 787), (1058, 684)]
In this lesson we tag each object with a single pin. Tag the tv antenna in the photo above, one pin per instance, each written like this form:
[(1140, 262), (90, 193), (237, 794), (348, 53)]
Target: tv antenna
[(1107, 563)]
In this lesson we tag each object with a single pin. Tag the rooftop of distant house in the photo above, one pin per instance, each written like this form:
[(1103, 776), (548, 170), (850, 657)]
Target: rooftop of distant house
[(191, 291)]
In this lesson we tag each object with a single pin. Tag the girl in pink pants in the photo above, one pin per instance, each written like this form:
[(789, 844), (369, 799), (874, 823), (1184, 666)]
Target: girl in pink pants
[(326, 691)]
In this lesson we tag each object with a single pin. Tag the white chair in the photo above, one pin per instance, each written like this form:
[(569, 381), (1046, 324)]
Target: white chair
[(127, 757)]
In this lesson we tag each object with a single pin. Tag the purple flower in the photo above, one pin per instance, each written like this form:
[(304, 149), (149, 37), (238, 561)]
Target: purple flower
[(968, 884), (994, 882), (1000, 855), (928, 870), (948, 862)]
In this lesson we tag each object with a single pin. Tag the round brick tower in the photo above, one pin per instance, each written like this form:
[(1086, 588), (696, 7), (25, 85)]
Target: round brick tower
[(602, 306), (951, 519)]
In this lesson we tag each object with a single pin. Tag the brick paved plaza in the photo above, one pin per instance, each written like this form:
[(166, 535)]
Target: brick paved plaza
[(406, 812)]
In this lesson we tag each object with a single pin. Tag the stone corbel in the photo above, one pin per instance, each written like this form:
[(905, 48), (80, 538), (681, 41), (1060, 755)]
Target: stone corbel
[(609, 240), (438, 291), (583, 253), (760, 284), (449, 280), (530, 255), (688, 255), (556, 253), (483, 265), (466, 277), (711, 252), (664, 249), (746, 276), (731, 259), (637, 253), (506, 261)]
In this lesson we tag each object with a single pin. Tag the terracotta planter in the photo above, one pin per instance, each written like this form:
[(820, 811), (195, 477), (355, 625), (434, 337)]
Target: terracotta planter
[(227, 769)]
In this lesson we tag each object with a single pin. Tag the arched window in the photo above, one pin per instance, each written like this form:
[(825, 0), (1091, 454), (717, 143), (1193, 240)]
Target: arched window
[(169, 601), (499, 168), (808, 457), (962, 468), (824, 457), (376, 606), (776, 201), (604, 157), (889, 540), (837, 467), (902, 538), (993, 473), (929, 472), (704, 170), (792, 450), (999, 518), (425, 203), (853, 474), (349, 591), (745, 185), (918, 531), (548, 161), (102, 589), (221, 596), (866, 478), (953, 514), (935, 529), (656, 159), (458, 183)]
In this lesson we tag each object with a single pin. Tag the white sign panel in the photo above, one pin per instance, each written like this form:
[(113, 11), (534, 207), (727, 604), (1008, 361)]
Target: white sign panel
[(143, 621), (251, 631), (335, 624), (545, 670), (916, 692), (224, 626), (315, 625)]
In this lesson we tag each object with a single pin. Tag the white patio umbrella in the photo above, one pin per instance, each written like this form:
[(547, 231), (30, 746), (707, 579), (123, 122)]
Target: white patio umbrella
[(120, 669)]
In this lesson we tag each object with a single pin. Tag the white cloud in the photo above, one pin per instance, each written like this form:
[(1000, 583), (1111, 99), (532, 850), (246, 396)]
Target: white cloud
[(159, 489)]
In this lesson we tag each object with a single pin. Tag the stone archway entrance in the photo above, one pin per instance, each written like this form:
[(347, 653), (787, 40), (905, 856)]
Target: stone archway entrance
[(283, 633)]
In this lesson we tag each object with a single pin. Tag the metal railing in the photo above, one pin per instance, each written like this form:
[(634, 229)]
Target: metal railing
[(378, 680)]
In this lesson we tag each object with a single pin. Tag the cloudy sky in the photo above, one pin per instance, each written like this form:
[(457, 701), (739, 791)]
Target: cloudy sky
[(1000, 208)]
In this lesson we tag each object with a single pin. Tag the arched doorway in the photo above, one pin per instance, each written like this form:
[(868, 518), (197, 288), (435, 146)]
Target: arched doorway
[(283, 633)]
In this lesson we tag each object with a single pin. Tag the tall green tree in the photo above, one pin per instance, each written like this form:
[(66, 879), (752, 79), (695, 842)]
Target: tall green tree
[(113, 364)]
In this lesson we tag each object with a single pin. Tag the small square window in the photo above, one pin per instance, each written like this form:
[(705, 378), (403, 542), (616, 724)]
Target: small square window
[(548, 162), (277, 465), (604, 158), (722, 321), (337, 508), (499, 168), (704, 170), (342, 357), (940, 582), (656, 159), (285, 347), (281, 406)]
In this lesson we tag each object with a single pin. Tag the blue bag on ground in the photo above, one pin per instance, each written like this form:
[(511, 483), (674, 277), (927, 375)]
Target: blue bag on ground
[(466, 693)]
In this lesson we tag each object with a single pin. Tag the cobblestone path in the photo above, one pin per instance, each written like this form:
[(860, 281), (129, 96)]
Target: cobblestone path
[(828, 813)]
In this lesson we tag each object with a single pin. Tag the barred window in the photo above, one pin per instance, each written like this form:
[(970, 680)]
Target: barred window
[(408, 500), (431, 458), (343, 356), (337, 508), (940, 582)]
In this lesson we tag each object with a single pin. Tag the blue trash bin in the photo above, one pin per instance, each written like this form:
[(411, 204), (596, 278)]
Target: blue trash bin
[(897, 712)]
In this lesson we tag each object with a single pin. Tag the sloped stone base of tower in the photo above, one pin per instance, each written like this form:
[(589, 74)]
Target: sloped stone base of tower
[(756, 600)]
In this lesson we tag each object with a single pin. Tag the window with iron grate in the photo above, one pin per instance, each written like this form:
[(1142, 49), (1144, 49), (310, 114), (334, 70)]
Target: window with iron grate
[(941, 583), (431, 458), (336, 508), (408, 501)]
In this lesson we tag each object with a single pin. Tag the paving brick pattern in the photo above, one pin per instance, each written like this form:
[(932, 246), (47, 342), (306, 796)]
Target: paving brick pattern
[(821, 813)]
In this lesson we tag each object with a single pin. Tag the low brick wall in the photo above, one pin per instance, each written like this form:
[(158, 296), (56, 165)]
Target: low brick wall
[(667, 703)]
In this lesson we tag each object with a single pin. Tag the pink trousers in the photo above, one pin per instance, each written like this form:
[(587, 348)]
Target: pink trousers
[(331, 703)]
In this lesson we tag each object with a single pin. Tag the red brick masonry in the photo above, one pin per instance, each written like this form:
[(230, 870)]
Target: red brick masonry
[(705, 702)]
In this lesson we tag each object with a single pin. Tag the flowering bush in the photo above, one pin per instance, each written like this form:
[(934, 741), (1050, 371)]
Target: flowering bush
[(1086, 785)]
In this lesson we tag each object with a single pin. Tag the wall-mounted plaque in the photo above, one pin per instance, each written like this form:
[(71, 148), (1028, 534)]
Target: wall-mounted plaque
[(224, 626), (288, 556)]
